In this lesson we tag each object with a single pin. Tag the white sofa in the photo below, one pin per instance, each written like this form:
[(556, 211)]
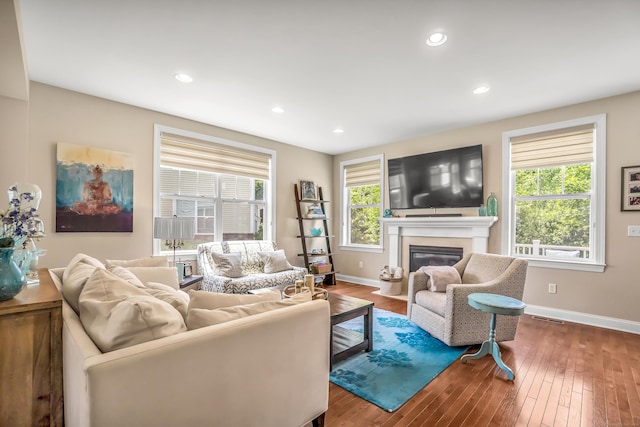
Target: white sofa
[(268, 369), (253, 275)]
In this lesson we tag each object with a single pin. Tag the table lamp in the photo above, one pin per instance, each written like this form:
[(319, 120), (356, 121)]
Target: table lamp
[(174, 231)]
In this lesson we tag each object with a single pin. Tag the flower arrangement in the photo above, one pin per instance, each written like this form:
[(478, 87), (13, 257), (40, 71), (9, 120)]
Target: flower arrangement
[(20, 221)]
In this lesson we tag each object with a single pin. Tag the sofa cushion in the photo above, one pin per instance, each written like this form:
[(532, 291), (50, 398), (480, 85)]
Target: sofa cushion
[(275, 261), (228, 265), (75, 277), (433, 301), (166, 275), (199, 317), (152, 261), (116, 314), (213, 300)]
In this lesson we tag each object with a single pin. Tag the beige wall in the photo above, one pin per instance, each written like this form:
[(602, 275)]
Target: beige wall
[(57, 115), (14, 122), (614, 293)]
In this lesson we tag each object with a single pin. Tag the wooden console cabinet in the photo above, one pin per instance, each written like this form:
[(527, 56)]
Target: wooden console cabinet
[(31, 356)]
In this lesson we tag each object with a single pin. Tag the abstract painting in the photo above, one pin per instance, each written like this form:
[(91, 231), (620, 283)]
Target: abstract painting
[(94, 190)]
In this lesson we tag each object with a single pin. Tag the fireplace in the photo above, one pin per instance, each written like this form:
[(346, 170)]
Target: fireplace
[(432, 255)]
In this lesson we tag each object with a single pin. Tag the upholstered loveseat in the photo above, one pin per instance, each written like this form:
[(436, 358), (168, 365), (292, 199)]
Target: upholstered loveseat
[(261, 266), (265, 369)]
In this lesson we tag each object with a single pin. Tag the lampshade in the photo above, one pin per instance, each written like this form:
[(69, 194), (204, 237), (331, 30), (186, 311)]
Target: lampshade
[(173, 228)]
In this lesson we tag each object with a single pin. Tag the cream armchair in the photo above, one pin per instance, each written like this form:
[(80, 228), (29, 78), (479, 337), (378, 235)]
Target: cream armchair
[(447, 315)]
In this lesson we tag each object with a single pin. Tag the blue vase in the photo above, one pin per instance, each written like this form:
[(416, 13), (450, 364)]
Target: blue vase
[(492, 205), (11, 277)]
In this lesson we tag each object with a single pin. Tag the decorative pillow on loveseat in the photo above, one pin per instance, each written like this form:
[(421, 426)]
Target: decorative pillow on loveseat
[(275, 261), (117, 314), (229, 265)]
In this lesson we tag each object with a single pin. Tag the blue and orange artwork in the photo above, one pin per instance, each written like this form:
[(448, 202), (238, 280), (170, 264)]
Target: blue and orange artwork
[(94, 190)]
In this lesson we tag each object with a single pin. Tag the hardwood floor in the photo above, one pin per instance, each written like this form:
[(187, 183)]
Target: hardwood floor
[(567, 374)]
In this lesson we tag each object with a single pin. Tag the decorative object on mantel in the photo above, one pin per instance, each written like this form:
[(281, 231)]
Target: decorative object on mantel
[(174, 231), (482, 211), (20, 227), (492, 205)]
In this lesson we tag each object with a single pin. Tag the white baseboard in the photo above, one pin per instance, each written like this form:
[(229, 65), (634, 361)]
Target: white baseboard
[(551, 313), (584, 318), (358, 280)]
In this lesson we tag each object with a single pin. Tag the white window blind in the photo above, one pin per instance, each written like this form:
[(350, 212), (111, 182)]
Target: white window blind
[(553, 148), (362, 174), (188, 153)]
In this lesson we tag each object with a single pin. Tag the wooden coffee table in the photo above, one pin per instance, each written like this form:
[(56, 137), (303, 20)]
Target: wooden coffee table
[(344, 342)]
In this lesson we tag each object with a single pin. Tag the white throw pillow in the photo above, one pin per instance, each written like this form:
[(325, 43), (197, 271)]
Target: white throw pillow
[(76, 275), (440, 277), (199, 317), (229, 265), (213, 300), (152, 261), (166, 275), (126, 275), (116, 314), (275, 261), (176, 298)]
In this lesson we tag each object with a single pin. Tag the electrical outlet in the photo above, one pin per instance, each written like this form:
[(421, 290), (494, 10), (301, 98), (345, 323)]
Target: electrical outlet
[(633, 231), (552, 288), (361, 264)]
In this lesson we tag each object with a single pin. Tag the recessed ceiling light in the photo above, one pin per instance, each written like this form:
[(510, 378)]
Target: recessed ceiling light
[(184, 78), (481, 90), (277, 110), (437, 39), (338, 130)]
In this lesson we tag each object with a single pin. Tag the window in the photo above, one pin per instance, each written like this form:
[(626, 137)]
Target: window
[(225, 186), (554, 181), (361, 188)]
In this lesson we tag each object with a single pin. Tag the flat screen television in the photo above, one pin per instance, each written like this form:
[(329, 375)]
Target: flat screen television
[(442, 179)]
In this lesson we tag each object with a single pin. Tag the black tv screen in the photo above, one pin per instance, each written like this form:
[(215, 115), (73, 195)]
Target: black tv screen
[(442, 179)]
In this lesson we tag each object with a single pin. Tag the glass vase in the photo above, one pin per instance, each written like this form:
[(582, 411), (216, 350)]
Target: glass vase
[(11, 277), (492, 205)]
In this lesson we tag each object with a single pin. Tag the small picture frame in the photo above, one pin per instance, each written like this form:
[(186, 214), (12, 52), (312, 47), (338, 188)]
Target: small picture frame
[(188, 270), (630, 199), (308, 190)]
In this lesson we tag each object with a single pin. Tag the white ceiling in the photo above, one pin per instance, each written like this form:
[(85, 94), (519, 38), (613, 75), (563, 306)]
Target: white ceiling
[(361, 65)]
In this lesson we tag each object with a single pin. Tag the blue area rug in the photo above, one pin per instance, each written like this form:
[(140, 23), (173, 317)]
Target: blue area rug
[(404, 359)]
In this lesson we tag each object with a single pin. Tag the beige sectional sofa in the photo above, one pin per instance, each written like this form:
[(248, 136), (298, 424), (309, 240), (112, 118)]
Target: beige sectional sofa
[(266, 369), (259, 266)]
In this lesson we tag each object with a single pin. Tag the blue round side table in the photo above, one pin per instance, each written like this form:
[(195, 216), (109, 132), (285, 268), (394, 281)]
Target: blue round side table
[(494, 304)]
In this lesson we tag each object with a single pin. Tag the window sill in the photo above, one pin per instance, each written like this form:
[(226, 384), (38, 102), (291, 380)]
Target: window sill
[(565, 265), (355, 248)]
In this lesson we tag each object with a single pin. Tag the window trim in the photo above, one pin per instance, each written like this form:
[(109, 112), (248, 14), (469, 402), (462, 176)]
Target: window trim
[(598, 195), (344, 206), (270, 189)]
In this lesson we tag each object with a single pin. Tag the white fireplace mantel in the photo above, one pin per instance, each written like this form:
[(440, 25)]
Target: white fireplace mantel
[(475, 228)]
